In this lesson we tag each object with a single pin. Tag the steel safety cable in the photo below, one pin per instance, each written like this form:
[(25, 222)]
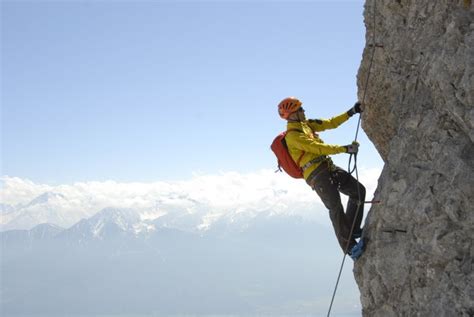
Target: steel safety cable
[(355, 161)]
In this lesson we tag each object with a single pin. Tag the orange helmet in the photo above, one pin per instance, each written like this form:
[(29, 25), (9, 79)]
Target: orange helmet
[(287, 106)]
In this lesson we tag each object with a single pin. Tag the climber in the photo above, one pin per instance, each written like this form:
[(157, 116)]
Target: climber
[(324, 177)]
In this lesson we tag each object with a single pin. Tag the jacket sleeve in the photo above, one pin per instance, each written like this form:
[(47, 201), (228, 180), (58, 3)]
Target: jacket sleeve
[(302, 142), (325, 124)]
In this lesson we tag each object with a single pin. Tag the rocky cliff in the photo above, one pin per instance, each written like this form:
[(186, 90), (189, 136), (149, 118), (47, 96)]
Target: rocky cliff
[(419, 114)]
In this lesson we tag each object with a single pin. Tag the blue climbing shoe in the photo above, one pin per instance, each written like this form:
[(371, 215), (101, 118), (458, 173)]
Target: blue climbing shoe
[(357, 250)]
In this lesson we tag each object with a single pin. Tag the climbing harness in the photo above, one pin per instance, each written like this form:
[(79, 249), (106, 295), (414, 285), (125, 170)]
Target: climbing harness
[(355, 162), (318, 159)]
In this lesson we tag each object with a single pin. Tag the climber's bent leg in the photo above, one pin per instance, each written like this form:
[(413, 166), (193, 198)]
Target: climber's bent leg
[(347, 185), (331, 198)]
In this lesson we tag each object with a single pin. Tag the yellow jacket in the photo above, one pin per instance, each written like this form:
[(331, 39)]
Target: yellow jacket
[(310, 142)]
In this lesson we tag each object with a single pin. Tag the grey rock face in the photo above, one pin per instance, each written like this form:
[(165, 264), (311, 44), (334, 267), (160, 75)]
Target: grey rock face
[(419, 114)]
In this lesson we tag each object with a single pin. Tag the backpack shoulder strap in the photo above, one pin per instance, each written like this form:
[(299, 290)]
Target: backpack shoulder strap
[(296, 130), (303, 152)]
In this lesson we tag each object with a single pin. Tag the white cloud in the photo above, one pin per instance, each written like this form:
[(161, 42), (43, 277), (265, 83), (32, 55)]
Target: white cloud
[(207, 197), (17, 190)]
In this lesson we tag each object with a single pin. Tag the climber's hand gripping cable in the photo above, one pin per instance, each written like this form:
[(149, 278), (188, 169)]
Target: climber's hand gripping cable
[(353, 148), (356, 109)]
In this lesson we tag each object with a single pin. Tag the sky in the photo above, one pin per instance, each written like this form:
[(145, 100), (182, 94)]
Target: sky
[(111, 102), (148, 91)]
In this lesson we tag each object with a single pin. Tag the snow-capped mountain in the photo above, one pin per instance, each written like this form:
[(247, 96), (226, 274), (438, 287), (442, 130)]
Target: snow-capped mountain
[(169, 211), (109, 222), (45, 198), (53, 208)]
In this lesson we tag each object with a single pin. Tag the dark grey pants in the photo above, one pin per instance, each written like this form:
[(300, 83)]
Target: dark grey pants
[(328, 182)]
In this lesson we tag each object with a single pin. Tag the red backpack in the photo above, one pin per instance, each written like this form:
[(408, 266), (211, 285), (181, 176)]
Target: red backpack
[(280, 148)]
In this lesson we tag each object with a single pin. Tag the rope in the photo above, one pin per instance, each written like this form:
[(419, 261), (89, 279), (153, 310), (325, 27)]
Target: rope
[(355, 163)]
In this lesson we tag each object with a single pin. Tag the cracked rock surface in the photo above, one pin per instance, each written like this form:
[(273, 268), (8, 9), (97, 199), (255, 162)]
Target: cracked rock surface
[(419, 113)]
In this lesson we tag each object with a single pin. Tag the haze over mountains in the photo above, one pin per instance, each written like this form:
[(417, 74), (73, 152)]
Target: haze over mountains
[(111, 264), (262, 250)]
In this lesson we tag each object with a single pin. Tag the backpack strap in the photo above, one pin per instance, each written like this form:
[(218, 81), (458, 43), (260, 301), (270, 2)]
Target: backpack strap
[(303, 153)]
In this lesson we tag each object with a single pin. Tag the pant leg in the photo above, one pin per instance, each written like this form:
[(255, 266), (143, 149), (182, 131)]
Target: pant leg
[(329, 194), (347, 185)]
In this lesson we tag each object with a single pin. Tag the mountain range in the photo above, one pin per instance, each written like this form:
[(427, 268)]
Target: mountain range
[(119, 262)]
